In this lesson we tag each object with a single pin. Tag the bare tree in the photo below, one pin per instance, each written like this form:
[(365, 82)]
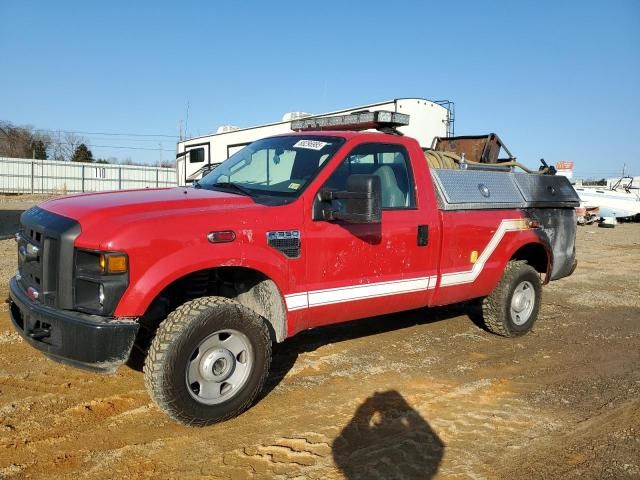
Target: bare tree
[(129, 161), (23, 142), (65, 144), (166, 164)]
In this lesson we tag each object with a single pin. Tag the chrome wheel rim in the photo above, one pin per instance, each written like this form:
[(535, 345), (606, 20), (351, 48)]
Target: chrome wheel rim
[(522, 302), (219, 367)]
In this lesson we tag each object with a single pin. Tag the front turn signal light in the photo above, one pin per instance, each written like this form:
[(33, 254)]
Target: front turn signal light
[(115, 263)]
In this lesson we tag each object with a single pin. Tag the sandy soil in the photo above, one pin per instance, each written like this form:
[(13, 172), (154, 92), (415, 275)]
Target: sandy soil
[(403, 396)]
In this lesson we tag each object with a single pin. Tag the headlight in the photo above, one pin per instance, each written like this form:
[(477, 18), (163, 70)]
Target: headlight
[(90, 261), (100, 279)]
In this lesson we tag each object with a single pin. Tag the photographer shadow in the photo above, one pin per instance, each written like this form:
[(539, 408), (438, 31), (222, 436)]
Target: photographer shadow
[(387, 439)]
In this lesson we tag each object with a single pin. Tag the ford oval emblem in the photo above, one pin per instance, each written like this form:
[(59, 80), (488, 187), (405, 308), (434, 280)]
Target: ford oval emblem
[(484, 190)]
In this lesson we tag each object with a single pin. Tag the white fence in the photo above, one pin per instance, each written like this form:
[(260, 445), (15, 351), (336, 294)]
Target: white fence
[(19, 175)]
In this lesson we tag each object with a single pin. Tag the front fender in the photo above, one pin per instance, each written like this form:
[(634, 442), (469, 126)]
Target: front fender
[(147, 281)]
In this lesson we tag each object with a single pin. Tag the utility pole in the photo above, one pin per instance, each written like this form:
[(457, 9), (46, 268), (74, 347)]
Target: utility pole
[(160, 148), (186, 123)]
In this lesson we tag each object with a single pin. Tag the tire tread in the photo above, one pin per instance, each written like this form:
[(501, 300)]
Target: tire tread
[(494, 306), (156, 370)]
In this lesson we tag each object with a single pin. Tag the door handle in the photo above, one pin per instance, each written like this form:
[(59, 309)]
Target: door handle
[(423, 235)]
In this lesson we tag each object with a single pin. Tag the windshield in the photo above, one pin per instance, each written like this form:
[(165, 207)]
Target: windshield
[(280, 166)]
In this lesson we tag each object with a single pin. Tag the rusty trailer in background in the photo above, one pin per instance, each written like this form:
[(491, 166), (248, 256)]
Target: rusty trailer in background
[(476, 148)]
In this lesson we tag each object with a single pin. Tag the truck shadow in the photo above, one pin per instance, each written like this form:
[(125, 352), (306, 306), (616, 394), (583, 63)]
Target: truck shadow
[(387, 438), (286, 353)]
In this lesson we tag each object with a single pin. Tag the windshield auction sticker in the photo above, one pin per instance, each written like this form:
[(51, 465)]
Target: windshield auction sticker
[(310, 144)]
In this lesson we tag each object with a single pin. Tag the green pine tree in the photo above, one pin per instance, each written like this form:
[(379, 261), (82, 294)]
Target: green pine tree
[(82, 154), (39, 150)]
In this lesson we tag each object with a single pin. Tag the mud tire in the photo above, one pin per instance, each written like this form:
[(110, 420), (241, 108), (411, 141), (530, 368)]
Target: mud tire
[(170, 353), (496, 308)]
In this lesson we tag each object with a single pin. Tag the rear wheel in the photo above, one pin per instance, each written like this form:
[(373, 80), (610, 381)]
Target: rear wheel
[(512, 308), (208, 361)]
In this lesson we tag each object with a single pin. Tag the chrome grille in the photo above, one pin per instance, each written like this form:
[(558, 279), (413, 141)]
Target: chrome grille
[(30, 258), (45, 255)]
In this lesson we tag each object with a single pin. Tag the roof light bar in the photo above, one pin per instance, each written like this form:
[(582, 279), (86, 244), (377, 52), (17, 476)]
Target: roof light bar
[(352, 121)]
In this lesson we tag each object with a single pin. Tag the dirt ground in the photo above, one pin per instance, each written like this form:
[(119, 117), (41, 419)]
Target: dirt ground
[(411, 395)]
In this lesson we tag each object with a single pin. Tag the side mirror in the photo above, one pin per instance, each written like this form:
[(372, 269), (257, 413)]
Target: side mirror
[(361, 201)]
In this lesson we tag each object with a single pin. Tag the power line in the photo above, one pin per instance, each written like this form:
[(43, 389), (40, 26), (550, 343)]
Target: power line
[(598, 172), (117, 146), (120, 134), (133, 148), (124, 139)]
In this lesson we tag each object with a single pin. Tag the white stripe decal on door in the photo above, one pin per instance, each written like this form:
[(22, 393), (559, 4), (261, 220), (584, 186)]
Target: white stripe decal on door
[(297, 301), (362, 292), (352, 293), (317, 298)]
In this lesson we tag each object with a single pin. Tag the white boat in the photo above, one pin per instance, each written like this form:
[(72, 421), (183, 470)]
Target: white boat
[(621, 200)]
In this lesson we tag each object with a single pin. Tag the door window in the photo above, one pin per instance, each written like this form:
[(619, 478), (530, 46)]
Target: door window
[(389, 162)]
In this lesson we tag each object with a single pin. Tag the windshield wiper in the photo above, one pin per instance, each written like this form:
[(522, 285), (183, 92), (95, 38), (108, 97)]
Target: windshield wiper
[(234, 186)]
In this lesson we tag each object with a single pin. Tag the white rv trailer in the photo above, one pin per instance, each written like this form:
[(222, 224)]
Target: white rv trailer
[(197, 156)]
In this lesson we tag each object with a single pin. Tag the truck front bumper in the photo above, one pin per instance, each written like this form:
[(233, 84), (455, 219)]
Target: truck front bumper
[(86, 341)]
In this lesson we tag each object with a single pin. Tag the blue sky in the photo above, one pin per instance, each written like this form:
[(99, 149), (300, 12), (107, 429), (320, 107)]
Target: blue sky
[(557, 80)]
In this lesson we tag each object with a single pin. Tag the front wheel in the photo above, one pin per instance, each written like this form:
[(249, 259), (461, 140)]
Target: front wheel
[(512, 308), (208, 361)]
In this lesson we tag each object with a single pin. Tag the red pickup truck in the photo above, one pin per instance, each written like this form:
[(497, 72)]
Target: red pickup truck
[(319, 226)]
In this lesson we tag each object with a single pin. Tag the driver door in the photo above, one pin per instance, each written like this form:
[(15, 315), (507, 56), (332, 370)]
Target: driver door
[(359, 270)]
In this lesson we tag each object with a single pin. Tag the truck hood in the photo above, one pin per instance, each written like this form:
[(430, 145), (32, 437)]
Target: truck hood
[(114, 207)]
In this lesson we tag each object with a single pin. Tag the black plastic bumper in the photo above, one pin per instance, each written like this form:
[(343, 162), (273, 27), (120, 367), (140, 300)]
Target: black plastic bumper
[(85, 341)]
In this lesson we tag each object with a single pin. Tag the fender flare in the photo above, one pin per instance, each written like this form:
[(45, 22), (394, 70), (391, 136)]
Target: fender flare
[(167, 270)]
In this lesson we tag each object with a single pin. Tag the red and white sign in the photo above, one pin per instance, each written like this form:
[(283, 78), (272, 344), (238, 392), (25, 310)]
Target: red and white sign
[(565, 168), (564, 165)]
